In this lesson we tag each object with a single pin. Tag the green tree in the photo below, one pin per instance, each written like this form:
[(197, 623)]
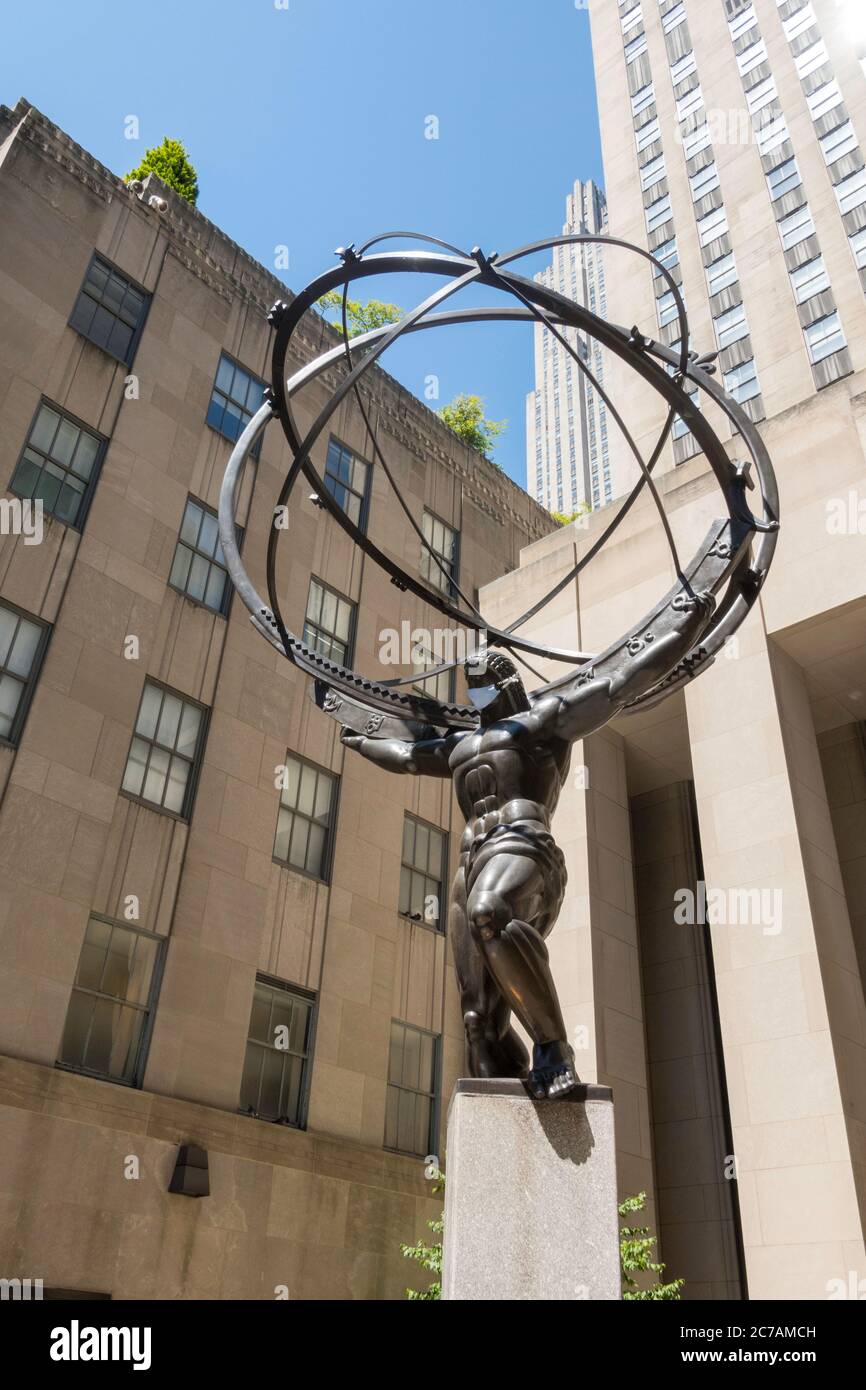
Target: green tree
[(361, 318), (635, 1253), (171, 163), (566, 518), (429, 1257), (465, 416)]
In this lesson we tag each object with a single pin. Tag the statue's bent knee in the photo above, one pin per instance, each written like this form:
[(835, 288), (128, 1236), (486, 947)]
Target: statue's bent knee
[(489, 915)]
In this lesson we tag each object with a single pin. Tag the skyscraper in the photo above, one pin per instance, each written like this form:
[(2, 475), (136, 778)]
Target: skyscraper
[(567, 459), (742, 169)]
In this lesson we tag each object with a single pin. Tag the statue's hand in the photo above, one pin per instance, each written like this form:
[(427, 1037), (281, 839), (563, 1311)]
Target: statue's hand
[(349, 739)]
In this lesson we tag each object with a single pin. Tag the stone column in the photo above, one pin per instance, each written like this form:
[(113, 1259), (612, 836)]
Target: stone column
[(530, 1198)]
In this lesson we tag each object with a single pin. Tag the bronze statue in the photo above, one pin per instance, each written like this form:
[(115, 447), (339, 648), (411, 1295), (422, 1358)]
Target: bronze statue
[(511, 878), (508, 752)]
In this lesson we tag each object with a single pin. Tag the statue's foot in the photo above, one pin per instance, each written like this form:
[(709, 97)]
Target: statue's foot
[(554, 1072)]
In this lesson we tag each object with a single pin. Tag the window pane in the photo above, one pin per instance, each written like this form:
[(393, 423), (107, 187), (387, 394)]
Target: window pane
[(136, 764), (169, 720), (156, 775), (149, 713)]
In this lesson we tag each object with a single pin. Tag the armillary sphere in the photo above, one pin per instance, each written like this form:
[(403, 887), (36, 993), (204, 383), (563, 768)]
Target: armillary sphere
[(731, 563)]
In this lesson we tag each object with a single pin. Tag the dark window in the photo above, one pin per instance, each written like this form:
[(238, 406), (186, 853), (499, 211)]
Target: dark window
[(235, 398), (110, 310), (22, 646), (164, 754), (346, 479), (410, 1114), (277, 1060), (306, 818), (199, 568), (111, 1002), (329, 623), (441, 687), (59, 465), (422, 871), (442, 540)]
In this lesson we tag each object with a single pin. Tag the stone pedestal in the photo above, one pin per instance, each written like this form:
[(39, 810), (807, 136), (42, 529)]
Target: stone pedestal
[(530, 1196)]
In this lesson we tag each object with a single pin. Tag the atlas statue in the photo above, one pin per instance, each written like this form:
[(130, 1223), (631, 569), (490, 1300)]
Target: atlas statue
[(508, 751)]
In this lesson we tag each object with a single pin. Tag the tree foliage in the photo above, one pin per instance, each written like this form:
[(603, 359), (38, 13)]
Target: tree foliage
[(171, 163), (465, 416), (635, 1253), (635, 1256), (361, 318), (566, 518), (429, 1257)]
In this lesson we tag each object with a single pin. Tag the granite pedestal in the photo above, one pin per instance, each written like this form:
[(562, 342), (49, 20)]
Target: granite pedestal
[(530, 1196)]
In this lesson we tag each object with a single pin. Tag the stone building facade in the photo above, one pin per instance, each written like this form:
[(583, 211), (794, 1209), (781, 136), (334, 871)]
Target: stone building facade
[(166, 908)]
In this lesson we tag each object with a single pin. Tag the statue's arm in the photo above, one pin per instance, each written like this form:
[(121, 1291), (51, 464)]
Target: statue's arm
[(584, 708), (426, 757)]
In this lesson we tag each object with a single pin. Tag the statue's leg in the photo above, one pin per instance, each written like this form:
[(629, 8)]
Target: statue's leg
[(511, 893), (493, 1048)]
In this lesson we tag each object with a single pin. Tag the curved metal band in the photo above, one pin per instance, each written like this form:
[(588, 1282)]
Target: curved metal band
[(745, 577)]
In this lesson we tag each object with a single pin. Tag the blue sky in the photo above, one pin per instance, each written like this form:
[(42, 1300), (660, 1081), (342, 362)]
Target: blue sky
[(307, 128)]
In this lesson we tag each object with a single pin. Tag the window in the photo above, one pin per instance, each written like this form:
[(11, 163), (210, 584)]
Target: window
[(683, 68), (851, 192), (441, 687), (110, 310), (824, 99), (329, 623), (771, 132), (306, 818), (59, 465), (647, 134), (811, 58), (658, 213), (731, 326), (858, 246), (346, 480), (276, 1065), (783, 178), (799, 22), (741, 23), (22, 647), (442, 540), (704, 182), (840, 141), (199, 568), (630, 20), (667, 308), (810, 279), (410, 1113), (422, 872), (642, 99), (163, 757), (824, 337), (721, 273), (667, 254), (714, 225), (673, 18), (111, 1002), (761, 95), (742, 382), (652, 173), (796, 228), (696, 140), (235, 398), (635, 48), (752, 57), (689, 103)]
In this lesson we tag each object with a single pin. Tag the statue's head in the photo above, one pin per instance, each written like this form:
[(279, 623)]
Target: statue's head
[(495, 687)]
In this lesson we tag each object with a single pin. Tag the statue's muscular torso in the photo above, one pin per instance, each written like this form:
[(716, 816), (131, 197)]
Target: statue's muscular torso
[(507, 773)]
